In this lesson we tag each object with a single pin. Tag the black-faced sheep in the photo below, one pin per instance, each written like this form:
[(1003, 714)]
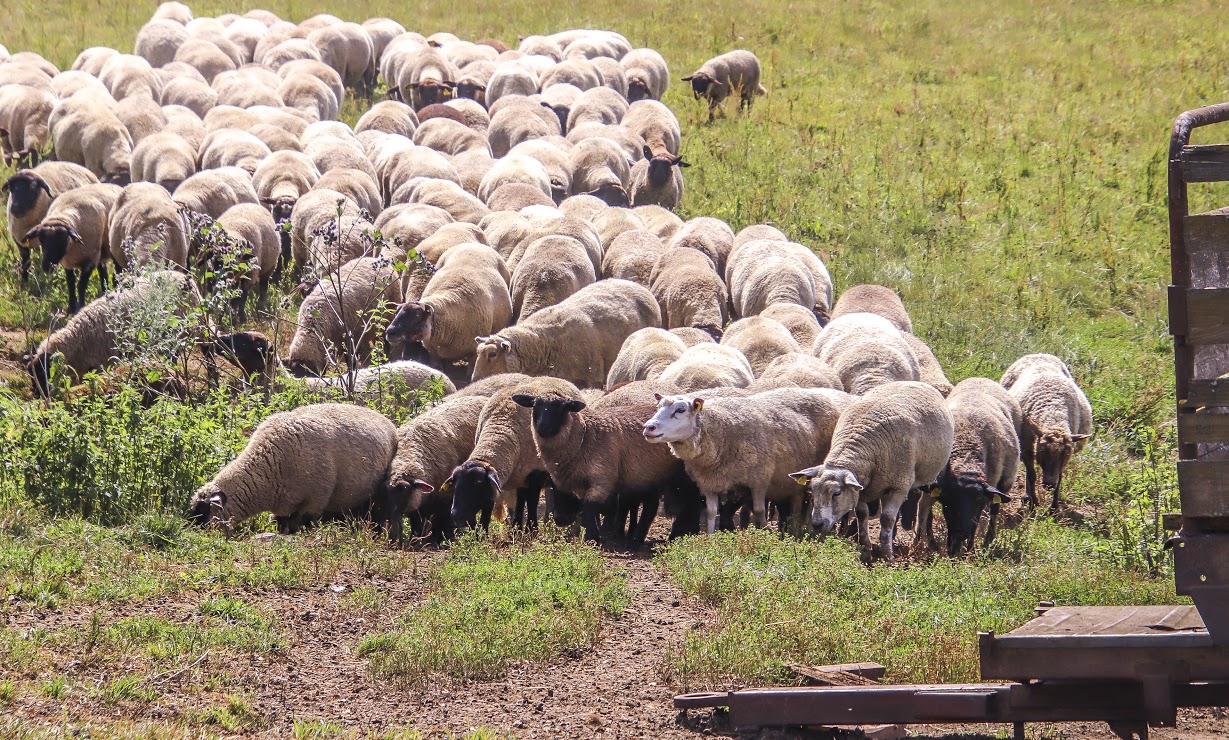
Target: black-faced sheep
[(732, 72), (29, 196), (74, 235)]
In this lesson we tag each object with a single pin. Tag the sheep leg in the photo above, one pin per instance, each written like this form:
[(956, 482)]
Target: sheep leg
[(992, 529), (712, 504), (486, 515), (887, 530), (103, 281), (592, 518), (864, 528), (25, 263), (923, 532), (1057, 485), (651, 503), (262, 294), (1030, 473), (70, 279)]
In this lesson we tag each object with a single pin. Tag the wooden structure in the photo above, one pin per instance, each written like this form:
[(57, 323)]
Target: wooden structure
[(1129, 666)]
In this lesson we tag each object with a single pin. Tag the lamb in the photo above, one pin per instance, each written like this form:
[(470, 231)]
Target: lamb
[(166, 159), (145, 225), (577, 339), (1057, 419), (211, 192), (760, 340), (429, 447), (602, 458), (30, 193), (982, 468), (551, 269), (74, 235), (709, 236), (301, 464), (645, 354), (761, 273), (648, 76), (254, 235), (866, 350), (709, 366), (732, 72), (600, 168), (689, 291), (896, 438), (874, 299), (335, 319), (597, 105), (798, 369), (25, 115), (87, 342), (633, 255), (371, 382), (504, 458), (748, 443), (800, 321), (466, 297)]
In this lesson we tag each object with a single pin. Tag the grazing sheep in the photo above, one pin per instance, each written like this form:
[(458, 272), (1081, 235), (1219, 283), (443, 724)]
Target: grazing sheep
[(800, 370), (311, 95), (206, 56), (709, 236), (689, 291), (647, 73), (145, 226), (30, 193), (127, 75), (371, 382), (195, 95), (511, 78), (597, 105), (232, 148), (612, 222), (761, 273), (600, 168), (211, 192), (358, 185), (732, 72), (896, 438), (447, 196), (706, 365), (633, 255), (429, 447), (577, 340), (800, 321), (390, 116), (348, 49), (336, 319), (602, 458), (471, 85), (691, 336), (87, 342), (518, 123), (313, 213), (25, 122), (760, 340), (166, 159), (549, 270), (281, 179), (752, 443), (516, 168), (658, 220), (1057, 419), (406, 226), (866, 350), (577, 72), (657, 125), (558, 167), (560, 98), (657, 181), (91, 135), (173, 11), (74, 235), (645, 355), (982, 468), (504, 458), (466, 297), (322, 72), (928, 369), (258, 245), (339, 241), (874, 299), (326, 458)]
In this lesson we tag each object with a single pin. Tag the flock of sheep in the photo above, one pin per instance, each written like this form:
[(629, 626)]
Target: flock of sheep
[(611, 356)]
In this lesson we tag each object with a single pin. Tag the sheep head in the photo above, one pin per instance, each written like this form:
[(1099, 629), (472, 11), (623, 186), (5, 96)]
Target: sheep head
[(474, 486), (660, 166), (700, 83), (399, 496), (208, 506), (472, 90), (637, 89), (612, 194), (551, 414), (54, 239), (1055, 446), (963, 496), (23, 189), (413, 322), (495, 356), (676, 420), (281, 207), (39, 368), (249, 350), (429, 92), (833, 493)]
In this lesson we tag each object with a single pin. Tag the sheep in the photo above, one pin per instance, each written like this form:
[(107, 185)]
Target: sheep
[(406, 226), (689, 291), (340, 240), (173, 11), (874, 299), (471, 85), (450, 235), (658, 220), (762, 272), (613, 76), (647, 73), (928, 368), (335, 320), (691, 336), (732, 72), (348, 49), (91, 135), (322, 72), (449, 197), (515, 169), (382, 31), (311, 95), (471, 167), (390, 116), (645, 354), (1057, 419), (551, 269), (516, 196), (800, 321), (358, 185), (206, 56), (591, 44), (504, 458), (657, 181), (281, 179), (541, 45), (74, 235), (67, 84), (760, 340), (866, 350), (232, 148), (749, 443), (301, 464), (449, 137), (418, 161), (600, 168), (87, 342), (577, 339), (246, 33), (657, 125), (145, 225), (896, 438), (602, 458), (91, 60), (142, 116), (166, 159), (515, 124), (429, 447), (584, 207), (556, 224), (597, 105), (466, 297), (196, 95), (578, 72), (127, 75), (30, 193), (613, 222), (629, 142), (370, 382), (211, 192), (186, 124), (983, 465), (429, 78), (797, 369), (258, 245), (709, 366), (313, 212), (25, 116), (512, 78)]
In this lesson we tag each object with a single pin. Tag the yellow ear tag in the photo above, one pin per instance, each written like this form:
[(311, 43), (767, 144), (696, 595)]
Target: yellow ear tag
[(447, 487), (802, 480), (933, 495), (697, 405), (997, 499)]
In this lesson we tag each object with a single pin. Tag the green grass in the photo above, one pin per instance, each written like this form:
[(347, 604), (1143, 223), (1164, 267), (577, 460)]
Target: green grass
[(497, 605), (780, 600)]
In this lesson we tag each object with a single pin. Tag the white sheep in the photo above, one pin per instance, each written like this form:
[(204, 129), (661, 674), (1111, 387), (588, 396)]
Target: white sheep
[(709, 366), (874, 299), (760, 340), (800, 321), (866, 350), (689, 290), (645, 355), (253, 233), (371, 382), (166, 159), (647, 73), (798, 369), (144, 226), (25, 118), (600, 168)]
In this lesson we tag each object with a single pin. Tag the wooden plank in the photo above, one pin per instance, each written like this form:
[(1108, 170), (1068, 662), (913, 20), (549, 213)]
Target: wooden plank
[(1203, 428), (829, 675), (1205, 163), (1207, 316), (1206, 393), (1204, 487), (1206, 232)]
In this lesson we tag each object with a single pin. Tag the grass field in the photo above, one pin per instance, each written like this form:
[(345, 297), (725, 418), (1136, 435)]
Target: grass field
[(1001, 165)]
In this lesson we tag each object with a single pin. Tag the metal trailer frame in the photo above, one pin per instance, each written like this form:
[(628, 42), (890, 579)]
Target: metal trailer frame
[(1131, 667)]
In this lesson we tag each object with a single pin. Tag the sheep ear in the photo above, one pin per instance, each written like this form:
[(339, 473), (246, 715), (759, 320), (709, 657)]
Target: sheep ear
[(522, 399), (413, 85), (647, 152), (495, 479), (697, 405), (1079, 437), (31, 234), (689, 78), (658, 396), (505, 345), (479, 340), (995, 495), (574, 407), (851, 480), (428, 308), (217, 500), (423, 486), (678, 162), (42, 185), (72, 234), (803, 477), (448, 486)]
